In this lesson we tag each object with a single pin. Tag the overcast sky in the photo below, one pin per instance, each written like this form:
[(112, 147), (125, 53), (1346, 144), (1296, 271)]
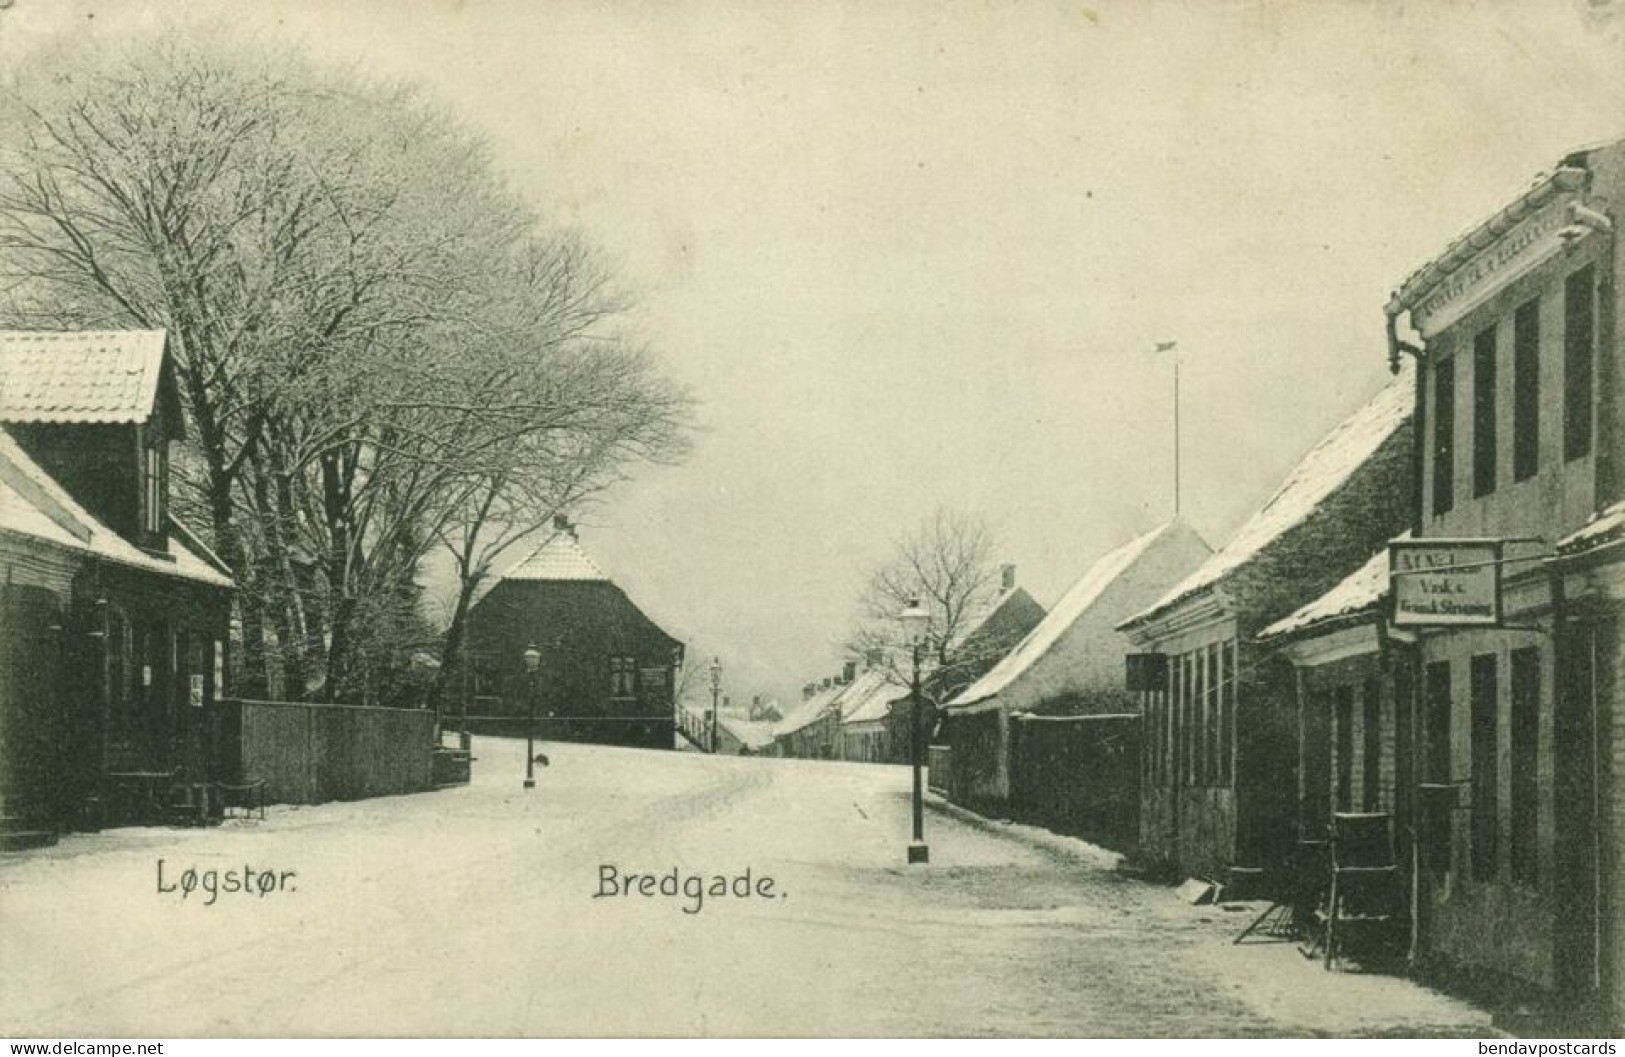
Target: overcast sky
[(911, 254)]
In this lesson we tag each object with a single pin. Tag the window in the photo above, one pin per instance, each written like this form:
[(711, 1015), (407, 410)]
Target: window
[(1444, 436), (483, 675), (1227, 712), (1525, 753), (1436, 684), (1484, 452), (622, 677), (1198, 719), (1371, 747), (152, 506), (1212, 727), (1526, 391), (1344, 719), (1485, 773), (1579, 310)]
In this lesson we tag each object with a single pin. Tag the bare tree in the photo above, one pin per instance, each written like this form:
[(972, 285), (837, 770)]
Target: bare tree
[(380, 348), (946, 564)]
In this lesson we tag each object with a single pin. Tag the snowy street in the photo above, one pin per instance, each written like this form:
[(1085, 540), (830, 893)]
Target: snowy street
[(471, 912)]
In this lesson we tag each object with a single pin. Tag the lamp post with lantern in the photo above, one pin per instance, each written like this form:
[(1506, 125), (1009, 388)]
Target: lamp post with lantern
[(916, 622), (533, 665), (716, 694)]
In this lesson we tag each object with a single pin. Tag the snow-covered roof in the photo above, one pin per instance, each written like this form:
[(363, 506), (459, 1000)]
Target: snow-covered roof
[(811, 709), (84, 376), (1361, 591), (1319, 475), (1083, 594), (560, 557), (33, 504), (973, 627), (871, 697), (753, 734), (1605, 526)]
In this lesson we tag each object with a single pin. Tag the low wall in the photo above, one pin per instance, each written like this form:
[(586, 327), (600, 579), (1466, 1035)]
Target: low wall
[(312, 753), (638, 732), (1078, 775)]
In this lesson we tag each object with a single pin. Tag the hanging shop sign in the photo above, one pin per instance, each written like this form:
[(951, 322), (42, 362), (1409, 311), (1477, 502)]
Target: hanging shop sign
[(1445, 583)]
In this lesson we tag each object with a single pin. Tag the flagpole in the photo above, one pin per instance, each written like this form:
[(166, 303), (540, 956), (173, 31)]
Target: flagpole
[(1173, 347)]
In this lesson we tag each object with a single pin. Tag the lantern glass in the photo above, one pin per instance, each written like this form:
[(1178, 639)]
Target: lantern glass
[(916, 623)]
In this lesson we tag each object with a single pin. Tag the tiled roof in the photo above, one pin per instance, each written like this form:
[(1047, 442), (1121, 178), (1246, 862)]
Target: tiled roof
[(89, 376), (33, 504), (560, 558), (1321, 474)]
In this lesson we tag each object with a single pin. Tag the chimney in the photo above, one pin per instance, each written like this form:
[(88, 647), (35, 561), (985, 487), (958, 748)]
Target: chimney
[(808, 690), (1007, 577), (874, 658), (849, 671), (562, 523), (827, 682)]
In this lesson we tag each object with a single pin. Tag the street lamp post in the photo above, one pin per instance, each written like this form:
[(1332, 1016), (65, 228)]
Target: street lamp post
[(716, 693), (916, 626), (533, 664)]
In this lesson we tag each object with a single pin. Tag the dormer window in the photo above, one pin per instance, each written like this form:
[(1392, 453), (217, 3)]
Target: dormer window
[(152, 488)]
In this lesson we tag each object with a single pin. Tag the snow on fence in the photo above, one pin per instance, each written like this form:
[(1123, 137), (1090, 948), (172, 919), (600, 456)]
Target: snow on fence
[(311, 753), (1078, 775)]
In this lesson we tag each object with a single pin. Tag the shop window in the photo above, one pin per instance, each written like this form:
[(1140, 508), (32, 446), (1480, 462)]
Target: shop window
[(1579, 330), (1486, 776), (1343, 719), (1484, 410), (1444, 436), (1526, 391), (1441, 800), (622, 677), (1525, 756), (1371, 747)]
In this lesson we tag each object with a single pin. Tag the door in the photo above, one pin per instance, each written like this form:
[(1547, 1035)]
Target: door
[(1584, 678)]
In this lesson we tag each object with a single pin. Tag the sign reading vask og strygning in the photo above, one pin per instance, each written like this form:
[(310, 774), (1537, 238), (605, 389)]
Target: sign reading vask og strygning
[(1445, 582)]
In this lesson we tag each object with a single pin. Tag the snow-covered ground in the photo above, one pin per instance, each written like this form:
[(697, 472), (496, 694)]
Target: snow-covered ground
[(472, 912)]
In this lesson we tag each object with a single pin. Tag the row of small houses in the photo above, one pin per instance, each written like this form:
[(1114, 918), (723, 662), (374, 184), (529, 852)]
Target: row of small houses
[(1422, 623)]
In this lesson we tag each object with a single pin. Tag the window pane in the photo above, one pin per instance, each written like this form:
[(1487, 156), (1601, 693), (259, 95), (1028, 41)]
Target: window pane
[(1526, 391), (1441, 800), (1486, 775), (1344, 719), (1484, 441), (1525, 754), (1444, 435), (1371, 747), (1578, 326)]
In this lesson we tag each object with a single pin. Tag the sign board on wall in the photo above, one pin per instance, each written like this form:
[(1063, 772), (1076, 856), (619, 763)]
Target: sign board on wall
[(1445, 583)]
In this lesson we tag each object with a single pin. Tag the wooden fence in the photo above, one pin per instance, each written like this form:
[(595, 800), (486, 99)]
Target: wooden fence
[(1078, 775), (312, 753)]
